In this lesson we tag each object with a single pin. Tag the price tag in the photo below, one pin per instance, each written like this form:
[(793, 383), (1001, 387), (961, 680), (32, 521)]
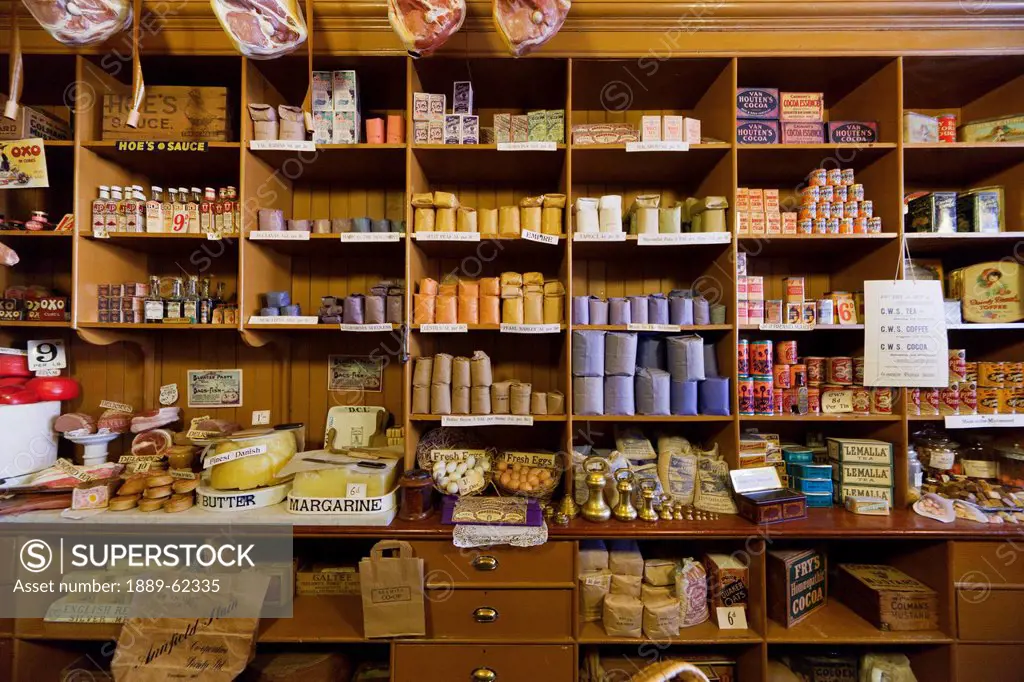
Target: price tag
[(599, 236), (46, 354), (838, 401), (527, 146), (684, 238), (128, 459), (73, 471), (168, 394), (971, 421), (194, 433), (47, 372), (444, 328), (260, 417), (356, 490), (282, 145), (636, 327), (507, 328), (446, 236), (279, 235), (284, 319), (100, 233), (531, 236), (139, 467), (242, 453), (381, 327), (781, 327), (213, 237), (731, 617), (370, 237), (12, 351), (182, 474), (487, 420), (657, 146), (118, 407)]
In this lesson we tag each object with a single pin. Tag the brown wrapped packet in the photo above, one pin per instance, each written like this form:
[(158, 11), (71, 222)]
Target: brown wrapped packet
[(487, 221), (445, 220), (424, 219), (511, 279), (490, 310), (448, 288), (490, 286), (445, 200), (423, 200), (556, 402), (421, 399), (447, 310), (539, 403), (461, 372), (530, 218), (460, 399), (293, 123), (533, 307), (440, 399), (551, 221), (554, 201), (501, 397), (469, 309), (465, 219), (512, 310), (428, 286), (424, 309), (480, 400), (442, 370), (508, 221), (469, 287), (533, 279), (480, 369), (531, 202), (423, 369), (519, 398)]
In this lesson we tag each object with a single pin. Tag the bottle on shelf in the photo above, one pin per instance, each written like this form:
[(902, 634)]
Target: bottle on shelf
[(207, 214), (194, 199), (153, 306), (99, 210), (179, 220), (139, 208), (174, 307), (110, 212), (236, 209), (205, 302), (128, 204), (167, 210), (218, 211), (154, 211), (915, 475), (190, 302), (121, 215)]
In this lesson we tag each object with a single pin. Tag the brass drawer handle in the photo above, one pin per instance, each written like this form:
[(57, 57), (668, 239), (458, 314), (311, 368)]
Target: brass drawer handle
[(484, 675), (485, 614), (485, 563)]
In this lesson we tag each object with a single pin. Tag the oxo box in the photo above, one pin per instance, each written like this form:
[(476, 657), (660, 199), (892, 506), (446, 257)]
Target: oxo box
[(846, 132), (757, 132), (757, 103)]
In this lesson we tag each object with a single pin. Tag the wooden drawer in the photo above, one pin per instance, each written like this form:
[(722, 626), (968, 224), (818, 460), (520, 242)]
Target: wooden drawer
[(509, 663), (998, 563), (991, 617), (550, 564), (998, 662), (506, 615)]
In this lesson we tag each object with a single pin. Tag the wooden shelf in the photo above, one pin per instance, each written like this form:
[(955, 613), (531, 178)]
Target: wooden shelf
[(172, 327), (42, 234), (817, 328), (985, 326), (959, 242), (536, 417), (958, 165), (482, 164), (597, 164), (26, 323), (822, 418), (217, 166), (682, 328), (705, 633), (827, 146), (358, 163), (483, 328), (964, 145), (315, 328), (640, 418), (836, 624), (813, 244)]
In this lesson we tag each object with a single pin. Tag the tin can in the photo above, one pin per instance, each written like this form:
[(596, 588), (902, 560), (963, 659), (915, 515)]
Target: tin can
[(858, 370), (866, 208), (835, 176), (840, 194), (991, 374), (875, 225), (832, 226), (861, 400), (858, 302), (810, 195), (856, 192), (805, 226), (743, 357), (914, 401), (837, 210), (930, 401), (846, 226), (1016, 400), (790, 401), (773, 311), (808, 212), (761, 358), (969, 398), (957, 365), (851, 209), (794, 313), (813, 400), (815, 370), (798, 375), (777, 400), (881, 400), (1013, 373), (755, 312), (825, 209), (988, 400), (949, 400), (971, 371), (782, 378), (947, 127), (742, 316), (1003, 396), (839, 370), (817, 177), (785, 353), (745, 389), (821, 226), (764, 397), (860, 225), (847, 175), (826, 194), (824, 310)]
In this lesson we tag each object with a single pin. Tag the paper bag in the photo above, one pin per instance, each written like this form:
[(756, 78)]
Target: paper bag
[(201, 649), (392, 590)]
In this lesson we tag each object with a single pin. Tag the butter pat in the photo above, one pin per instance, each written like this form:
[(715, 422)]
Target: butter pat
[(868, 506), (351, 479)]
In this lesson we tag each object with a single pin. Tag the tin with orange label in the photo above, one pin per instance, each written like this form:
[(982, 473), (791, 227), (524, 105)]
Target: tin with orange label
[(875, 225), (810, 195), (839, 370), (860, 225), (777, 400), (858, 369), (835, 176), (820, 226), (790, 401), (764, 395), (813, 400), (957, 365), (1003, 396), (1013, 373), (825, 209), (840, 194), (866, 208), (837, 210), (861, 400), (805, 226), (817, 177), (826, 194), (785, 352), (815, 370), (991, 374), (743, 357), (988, 400), (761, 358), (745, 389), (808, 212), (971, 371), (832, 226), (847, 176), (969, 398), (782, 377), (1015, 403), (949, 400), (846, 226), (855, 192), (798, 375), (851, 209)]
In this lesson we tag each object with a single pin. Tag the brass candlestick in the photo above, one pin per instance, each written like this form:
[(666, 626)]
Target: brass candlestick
[(596, 509), (624, 510)]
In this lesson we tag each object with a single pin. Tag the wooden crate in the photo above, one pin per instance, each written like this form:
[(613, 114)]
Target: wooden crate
[(887, 597), (169, 113)]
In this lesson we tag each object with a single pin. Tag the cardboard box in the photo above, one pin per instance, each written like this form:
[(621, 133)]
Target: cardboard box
[(859, 451), (727, 580), (435, 131), (760, 103), (520, 128), (537, 126), (771, 200), (323, 91), (556, 125), (755, 197), (772, 222), (802, 106), (887, 597), (691, 130), (758, 223), (742, 222), (797, 582), (420, 132), (742, 199), (757, 132), (470, 131), (452, 129), (755, 288), (462, 98), (327, 581), (755, 311), (650, 129), (346, 127), (789, 222), (844, 490), (436, 107), (169, 113), (672, 128), (346, 91), (33, 122), (503, 127), (802, 133), (852, 132), (323, 127), (862, 474), (824, 668), (421, 106)]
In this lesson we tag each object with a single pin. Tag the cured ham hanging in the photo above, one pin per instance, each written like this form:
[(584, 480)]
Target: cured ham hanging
[(425, 25), (81, 22), (262, 29), (525, 25)]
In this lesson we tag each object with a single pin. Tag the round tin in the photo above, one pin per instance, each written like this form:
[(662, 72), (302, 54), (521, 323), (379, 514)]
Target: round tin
[(808, 212), (743, 357), (840, 194), (860, 225), (881, 400), (861, 400), (785, 352), (777, 400), (790, 401), (745, 388), (783, 379), (761, 358), (817, 177), (865, 208), (813, 400), (825, 209), (805, 226), (837, 210), (835, 176), (827, 193), (875, 225), (988, 400), (947, 127), (914, 401), (839, 370), (969, 398), (832, 226), (764, 398), (846, 226), (821, 226), (798, 376), (856, 192), (847, 176), (810, 195), (815, 370)]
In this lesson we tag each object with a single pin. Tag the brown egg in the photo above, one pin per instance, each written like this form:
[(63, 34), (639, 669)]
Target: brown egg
[(505, 478), (502, 466), (533, 481), (525, 487), (545, 475)]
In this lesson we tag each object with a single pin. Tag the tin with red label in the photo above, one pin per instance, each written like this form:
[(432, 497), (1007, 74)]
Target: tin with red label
[(913, 401), (745, 390), (761, 358), (881, 400), (875, 225), (743, 357), (798, 375), (930, 401), (847, 175), (824, 310), (813, 400), (785, 352), (817, 177), (764, 395), (861, 400), (949, 400), (835, 176), (808, 212), (858, 369), (957, 365), (782, 376), (947, 127), (969, 398), (777, 400), (815, 370), (839, 370), (790, 401)]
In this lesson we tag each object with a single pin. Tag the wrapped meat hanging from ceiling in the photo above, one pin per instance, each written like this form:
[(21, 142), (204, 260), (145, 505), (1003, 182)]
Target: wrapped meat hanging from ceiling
[(81, 22), (262, 29), (525, 25), (425, 25)]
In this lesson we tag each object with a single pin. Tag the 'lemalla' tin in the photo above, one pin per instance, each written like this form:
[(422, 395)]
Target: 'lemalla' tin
[(783, 378)]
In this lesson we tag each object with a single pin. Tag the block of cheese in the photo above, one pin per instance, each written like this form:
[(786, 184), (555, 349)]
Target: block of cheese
[(347, 476), (298, 667), (355, 426), (249, 459)]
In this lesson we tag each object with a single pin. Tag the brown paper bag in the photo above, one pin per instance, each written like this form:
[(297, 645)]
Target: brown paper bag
[(445, 221), (490, 286), (490, 310), (488, 221), (424, 219), (182, 647), (392, 590)]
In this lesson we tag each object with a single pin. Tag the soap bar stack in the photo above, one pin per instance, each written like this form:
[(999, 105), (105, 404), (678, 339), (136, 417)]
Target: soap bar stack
[(273, 220), (441, 212), (627, 373), (446, 385), (383, 304), (513, 298), (279, 303), (681, 306), (647, 215)]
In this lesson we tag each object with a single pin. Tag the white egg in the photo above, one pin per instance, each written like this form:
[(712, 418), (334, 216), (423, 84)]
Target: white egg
[(452, 488), (461, 469), (443, 481), (451, 467), (486, 464), (471, 461), (438, 468)]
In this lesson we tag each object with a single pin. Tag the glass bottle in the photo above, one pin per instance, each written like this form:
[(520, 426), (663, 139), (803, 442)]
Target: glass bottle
[(154, 211), (139, 208), (206, 212), (915, 475), (977, 458), (194, 199), (99, 210), (174, 304), (153, 306), (180, 216), (205, 302), (939, 456), (218, 211), (110, 212), (167, 209), (190, 303), (236, 208), (121, 216)]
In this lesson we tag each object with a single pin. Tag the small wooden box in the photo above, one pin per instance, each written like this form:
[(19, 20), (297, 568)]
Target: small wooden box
[(772, 506), (169, 113), (797, 584), (887, 597)]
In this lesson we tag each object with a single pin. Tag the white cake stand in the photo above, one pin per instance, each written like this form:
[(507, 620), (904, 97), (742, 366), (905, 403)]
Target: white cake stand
[(94, 445)]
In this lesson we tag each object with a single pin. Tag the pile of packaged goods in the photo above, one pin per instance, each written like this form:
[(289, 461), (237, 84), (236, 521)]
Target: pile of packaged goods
[(869, 666), (679, 307), (39, 222), (33, 121), (766, 116), (443, 385), (987, 387), (180, 211), (656, 597), (441, 212), (513, 298), (836, 307), (384, 304), (273, 220), (34, 303), (975, 210), (782, 382), (924, 128), (646, 215), (337, 113), (624, 373), (434, 124), (652, 129), (191, 302), (794, 464), (988, 292)]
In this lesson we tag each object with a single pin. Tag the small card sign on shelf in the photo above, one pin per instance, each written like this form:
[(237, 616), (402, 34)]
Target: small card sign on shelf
[(444, 328), (242, 453), (282, 145), (381, 327), (599, 236), (684, 238), (531, 236), (487, 420), (659, 146), (371, 237), (279, 235), (285, 319), (446, 236), (785, 327), (508, 328), (974, 421), (638, 327), (731, 617), (47, 354), (527, 146)]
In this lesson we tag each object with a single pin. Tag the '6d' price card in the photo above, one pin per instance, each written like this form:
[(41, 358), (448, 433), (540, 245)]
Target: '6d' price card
[(47, 354)]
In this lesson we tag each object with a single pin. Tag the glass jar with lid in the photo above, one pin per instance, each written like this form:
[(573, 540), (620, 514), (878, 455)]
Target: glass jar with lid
[(915, 475), (978, 459), (938, 454), (1011, 461)]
